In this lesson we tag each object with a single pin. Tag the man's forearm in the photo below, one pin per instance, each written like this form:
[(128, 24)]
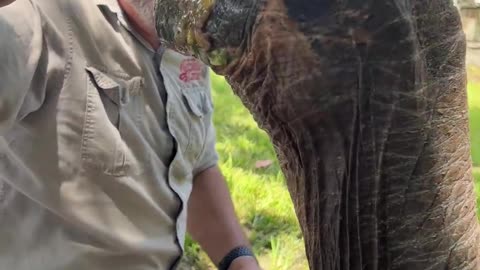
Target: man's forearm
[(212, 220)]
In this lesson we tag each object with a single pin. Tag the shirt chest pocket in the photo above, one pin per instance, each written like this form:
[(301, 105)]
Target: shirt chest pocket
[(113, 110), (198, 109)]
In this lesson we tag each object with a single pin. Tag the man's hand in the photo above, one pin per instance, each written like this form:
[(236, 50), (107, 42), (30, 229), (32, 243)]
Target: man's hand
[(244, 263)]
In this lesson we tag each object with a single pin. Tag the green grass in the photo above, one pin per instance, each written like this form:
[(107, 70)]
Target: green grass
[(260, 195), (476, 175), (474, 104)]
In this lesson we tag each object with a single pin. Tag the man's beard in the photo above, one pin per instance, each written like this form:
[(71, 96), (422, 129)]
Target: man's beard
[(144, 10)]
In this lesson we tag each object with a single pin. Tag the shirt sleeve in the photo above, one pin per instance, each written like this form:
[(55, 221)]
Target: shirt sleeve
[(209, 156), (20, 53)]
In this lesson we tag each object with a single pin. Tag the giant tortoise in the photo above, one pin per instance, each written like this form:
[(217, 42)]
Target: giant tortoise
[(365, 102)]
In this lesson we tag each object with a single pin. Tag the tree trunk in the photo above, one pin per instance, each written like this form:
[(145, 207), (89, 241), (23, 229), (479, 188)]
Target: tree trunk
[(365, 101)]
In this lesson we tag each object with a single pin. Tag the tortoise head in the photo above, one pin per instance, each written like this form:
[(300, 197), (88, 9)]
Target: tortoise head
[(223, 33), (215, 31), (259, 45)]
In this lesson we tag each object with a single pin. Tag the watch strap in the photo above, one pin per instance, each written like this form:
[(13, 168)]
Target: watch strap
[(234, 254)]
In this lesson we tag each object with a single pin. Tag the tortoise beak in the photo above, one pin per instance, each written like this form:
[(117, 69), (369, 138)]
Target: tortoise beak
[(215, 31)]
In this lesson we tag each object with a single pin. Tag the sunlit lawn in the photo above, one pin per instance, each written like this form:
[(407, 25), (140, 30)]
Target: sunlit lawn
[(260, 195), (474, 102)]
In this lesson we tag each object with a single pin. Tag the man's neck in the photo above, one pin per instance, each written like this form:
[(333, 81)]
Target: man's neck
[(140, 14)]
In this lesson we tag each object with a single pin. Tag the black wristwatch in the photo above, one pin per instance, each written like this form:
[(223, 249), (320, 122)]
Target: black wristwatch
[(234, 254)]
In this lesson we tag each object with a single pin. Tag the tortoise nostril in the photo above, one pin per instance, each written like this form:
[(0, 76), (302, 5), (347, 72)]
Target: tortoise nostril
[(231, 21), (360, 36)]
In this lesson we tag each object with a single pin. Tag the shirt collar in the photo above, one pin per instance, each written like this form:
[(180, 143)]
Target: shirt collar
[(113, 7)]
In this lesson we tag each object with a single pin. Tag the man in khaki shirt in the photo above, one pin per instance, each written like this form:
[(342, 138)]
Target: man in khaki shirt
[(106, 142)]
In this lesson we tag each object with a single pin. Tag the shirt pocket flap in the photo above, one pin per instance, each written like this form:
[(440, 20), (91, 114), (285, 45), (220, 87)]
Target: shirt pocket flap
[(198, 101), (106, 84)]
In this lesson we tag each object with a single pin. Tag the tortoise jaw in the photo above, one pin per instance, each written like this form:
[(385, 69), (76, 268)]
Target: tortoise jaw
[(179, 23), (215, 31)]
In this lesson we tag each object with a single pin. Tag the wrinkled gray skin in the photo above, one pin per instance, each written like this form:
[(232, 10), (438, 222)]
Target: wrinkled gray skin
[(365, 102)]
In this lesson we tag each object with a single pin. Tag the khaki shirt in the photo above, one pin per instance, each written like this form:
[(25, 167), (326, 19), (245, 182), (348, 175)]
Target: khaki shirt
[(100, 138)]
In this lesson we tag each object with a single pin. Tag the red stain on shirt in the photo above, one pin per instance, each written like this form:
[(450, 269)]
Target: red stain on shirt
[(191, 70)]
